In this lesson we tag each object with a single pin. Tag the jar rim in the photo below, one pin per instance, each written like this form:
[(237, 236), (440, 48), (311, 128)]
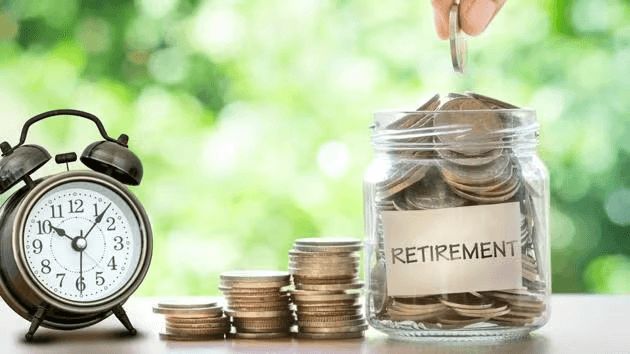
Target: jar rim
[(501, 128)]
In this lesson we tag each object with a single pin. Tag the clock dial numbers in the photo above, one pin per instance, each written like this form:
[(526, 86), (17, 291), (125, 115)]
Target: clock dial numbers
[(61, 256), (76, 206)]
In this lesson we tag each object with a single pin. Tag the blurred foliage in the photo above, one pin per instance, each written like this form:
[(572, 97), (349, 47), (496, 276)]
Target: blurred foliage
[(251, 116)]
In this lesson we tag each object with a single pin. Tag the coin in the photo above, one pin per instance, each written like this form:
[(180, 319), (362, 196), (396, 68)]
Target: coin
[(328, 249), (359, 328), (192, 312), (331, 324), (195, 320), (346, 335), (319, 319), (328, 242), (257, 314), (457, 41), (259, 335), (255, 285), (330, 287), (184, 338), (255, 276), (198, 332), (185, 304)]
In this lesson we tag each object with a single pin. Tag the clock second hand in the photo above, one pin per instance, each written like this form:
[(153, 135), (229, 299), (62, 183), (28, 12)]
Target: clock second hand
[(81, 268), (92, 259)]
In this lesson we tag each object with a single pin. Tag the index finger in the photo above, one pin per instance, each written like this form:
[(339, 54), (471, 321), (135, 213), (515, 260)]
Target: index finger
[(441, 9)]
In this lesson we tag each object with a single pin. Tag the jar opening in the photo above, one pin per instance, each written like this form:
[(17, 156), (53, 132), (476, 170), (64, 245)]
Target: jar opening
[(473, 130)]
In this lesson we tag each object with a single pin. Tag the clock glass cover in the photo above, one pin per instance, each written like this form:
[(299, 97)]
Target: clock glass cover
[(82, 242)]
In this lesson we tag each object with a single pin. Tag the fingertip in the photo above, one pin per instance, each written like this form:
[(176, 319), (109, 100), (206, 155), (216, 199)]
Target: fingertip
[(476, 17), (441, 10)]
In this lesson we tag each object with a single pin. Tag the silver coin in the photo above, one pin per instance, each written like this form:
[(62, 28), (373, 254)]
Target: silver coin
[(187, 338), (461, 159), (320, 273), (198, 331), (469, 127), (325, 279), (457, 41), (359, 328), (185, 303), (492, 102), (432, 193), (410, 120), (228, 290), (328, 249), (317, 318), (256, 314), (402, 180), (323, 297), (296, 254), (330, 336), (195, 320), (328, 242), (196, 312), (255, 285), (330, 287), (331, 324), (259, 335), (255, 276), (466, 301)]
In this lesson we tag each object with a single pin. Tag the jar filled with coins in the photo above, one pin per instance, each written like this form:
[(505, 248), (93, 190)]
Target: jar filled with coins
[(456, 208)]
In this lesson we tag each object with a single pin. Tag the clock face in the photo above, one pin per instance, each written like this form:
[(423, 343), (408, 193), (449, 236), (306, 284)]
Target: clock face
[(82, 242)]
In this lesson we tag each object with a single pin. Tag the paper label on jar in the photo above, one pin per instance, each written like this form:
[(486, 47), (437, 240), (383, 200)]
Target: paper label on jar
[(454, 250)]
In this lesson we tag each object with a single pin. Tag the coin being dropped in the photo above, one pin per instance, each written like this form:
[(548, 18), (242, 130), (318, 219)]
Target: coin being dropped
[(458, 42)]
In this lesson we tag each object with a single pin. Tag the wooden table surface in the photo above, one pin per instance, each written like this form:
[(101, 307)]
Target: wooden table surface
[(579, 324)]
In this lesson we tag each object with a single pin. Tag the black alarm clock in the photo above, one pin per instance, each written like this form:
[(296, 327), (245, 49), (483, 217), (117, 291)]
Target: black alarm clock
[(74, 246)]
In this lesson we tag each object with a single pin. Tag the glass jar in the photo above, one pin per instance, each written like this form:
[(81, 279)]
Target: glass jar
[(456, 209)]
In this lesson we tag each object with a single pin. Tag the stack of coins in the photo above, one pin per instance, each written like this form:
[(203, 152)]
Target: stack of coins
[(192, 321), (258, 303), (327, 288), (459, 160)]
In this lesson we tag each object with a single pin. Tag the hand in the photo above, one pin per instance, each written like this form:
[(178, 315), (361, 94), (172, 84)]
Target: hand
[(474, 15), (62, 233), (81, 268), (98, 220)]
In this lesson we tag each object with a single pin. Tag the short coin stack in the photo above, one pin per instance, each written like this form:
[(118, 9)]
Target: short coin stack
[(192, 321), (327, 288), (258, 303)]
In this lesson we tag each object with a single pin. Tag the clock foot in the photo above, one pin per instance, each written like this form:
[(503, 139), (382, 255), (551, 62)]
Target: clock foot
[(35, 322), (124, 319)]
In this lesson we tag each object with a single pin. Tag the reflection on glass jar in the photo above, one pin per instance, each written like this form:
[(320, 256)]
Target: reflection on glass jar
[(456, 209)]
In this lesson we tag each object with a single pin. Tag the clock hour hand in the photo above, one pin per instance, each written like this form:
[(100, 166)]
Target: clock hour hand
[(97, 220), (61, 232)]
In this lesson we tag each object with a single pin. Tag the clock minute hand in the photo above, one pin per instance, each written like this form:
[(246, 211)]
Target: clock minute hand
[(97, 220), (61, 232)]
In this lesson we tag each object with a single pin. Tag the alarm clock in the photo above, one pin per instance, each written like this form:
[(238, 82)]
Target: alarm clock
[(74, 246)]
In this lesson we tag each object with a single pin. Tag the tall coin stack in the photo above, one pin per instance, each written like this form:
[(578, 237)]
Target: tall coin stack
[(327, 288), (192, 321), (258, 303)]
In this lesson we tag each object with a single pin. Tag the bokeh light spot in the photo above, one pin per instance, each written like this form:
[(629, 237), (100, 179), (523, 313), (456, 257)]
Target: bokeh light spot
[(333, 159), (169, 66), (618, 207), (94, 34)]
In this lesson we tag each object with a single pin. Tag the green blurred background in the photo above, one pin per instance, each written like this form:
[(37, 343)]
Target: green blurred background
[(252, 117)]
